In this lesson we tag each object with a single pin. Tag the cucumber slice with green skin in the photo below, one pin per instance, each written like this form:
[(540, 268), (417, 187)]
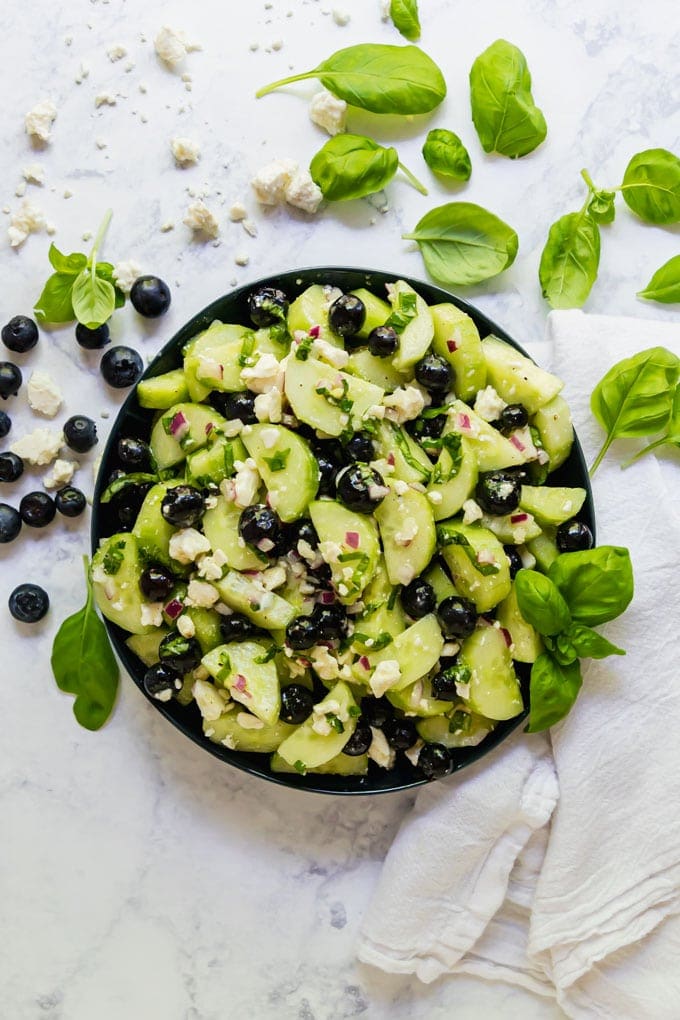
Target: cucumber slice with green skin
[(456, 339), (457, 489), (416, 337), (265, 609), (211, 360), (227, 731), (436, 730), (207, 625), (408, 461), (491, 449), (551, 505), (408, 534), (544, 549), (200, 423), (341, 765), (494, 688), (377, 311), (238, 667), (152, 531), (305, 380), (378, 371), (416, 650), (213, 463), (287, 467), (310, 749), (353, 545), (511, 532), (553, 424), (516, 378), (145, 646), (115, 572), (417, 700), (378, 618), (220, 527), (477, 561), (442, 584), (163, 391), (310, 310), (526, 641)]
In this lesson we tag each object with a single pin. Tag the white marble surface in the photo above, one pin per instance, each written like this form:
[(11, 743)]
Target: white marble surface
[(140, 877)]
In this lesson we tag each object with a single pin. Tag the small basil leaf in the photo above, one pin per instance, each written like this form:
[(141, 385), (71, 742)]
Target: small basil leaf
[(570, 260), (553, 690), (597, 584), (444, 153), (664, 286), (541, 603), (602, 207), (651, 186), (94, 299), (564, 651), (462, 243), (66, 263), (350, 166), (404, 15), (105, 271), (591, 645), (55, 302), (503, 109)]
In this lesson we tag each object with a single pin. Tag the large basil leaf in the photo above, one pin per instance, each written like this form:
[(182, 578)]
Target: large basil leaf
[(444, 153), (349, 166), (671, 436), (379, 78), (462, 243), (597, 584), (553, 690), (55, 302), (651, 186), (61, 263), (541, 603), (664, 286), (94, 299), (503, 109), (588, 644), (404, 15), (570, 260)]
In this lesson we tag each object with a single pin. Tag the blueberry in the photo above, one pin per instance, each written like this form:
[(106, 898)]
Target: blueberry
[(513, 416), (238, 627), (10, 523), (400, 733), (93, 339), (451, 672), (28, 603), (80, 433), (37, 509), (121, 367), (383, 341), (301, 633), (11, 467), (5, 424), (183, 506), (301, 530), (70, 502), (156, 582), (574, 535), (434, 761), (330, 621), (182, 654), (498, 492), (360, 447), (347, 315), (360, 741), (20, 334), (267, 306), (235, 406), (134, 453), (457, 616), (128, 503), (150, 296), (361, 488), (10, 379), (427, 428), (261, 527), (435, 374), (376, 710), (162, 680), (514, 559), (296, 704), (328, 472), (418, 598)]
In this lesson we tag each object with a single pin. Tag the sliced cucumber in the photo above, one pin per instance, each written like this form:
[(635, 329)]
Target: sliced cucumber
[(307, 748), (477, 561), (341, 765), (374, 370), (115, 572), (418, 700), (491, 449), (457, 486), (551, 505), (383, 612), (264, 608), (287, 467), (239, 666), (544, 549), (471, 731), (408, 461), (494, 688), (509, 531), (162, 391), (213, 463), (442, 584), (408, 534), (456, 339), (356, 538), (228, 731), (194, 426), (220, 527), (152, 531), (526, 642), (207, 625), (416, 337), (145, 646), (516, 378), (326, 398), (416, 650), (310, 311), (377, 311), (553, 423)]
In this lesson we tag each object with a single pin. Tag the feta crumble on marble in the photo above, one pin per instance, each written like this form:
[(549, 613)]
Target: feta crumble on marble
[(303, 193), (172, 46), (105, 99), (185, 151), (61, 473), (116, 52), (489, 404), (44, 396), (187, 544), (270, 182), (38, 121), (328, 112), (28, 219), (34, 173), (201, 220), (39, 447), (237, 212), (125, 273)]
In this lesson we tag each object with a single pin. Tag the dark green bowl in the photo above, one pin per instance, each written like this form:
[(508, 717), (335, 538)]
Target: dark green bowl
[(136, 421)]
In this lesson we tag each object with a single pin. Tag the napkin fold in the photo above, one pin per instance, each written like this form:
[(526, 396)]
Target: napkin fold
[(576, 893)]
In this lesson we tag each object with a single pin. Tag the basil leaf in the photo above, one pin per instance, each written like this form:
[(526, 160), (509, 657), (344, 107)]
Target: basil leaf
[(651, 186), (94, 299), (503, 109), (562, 649), (597, 584), (664, 286), (552, 692), (462, 243), (404, 15), (601, 206), (379, 78), (84, 664), (350, 166), (55, 303), (591, 645), (445, 154), (66, 263), (134, 478), (635, 397), (541, 603), (105, 271), (570, 260)]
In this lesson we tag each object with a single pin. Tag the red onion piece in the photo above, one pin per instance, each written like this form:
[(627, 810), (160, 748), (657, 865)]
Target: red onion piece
[(173, 609), (179, 425), (517, 443), (463, 422), (352, 539), (519, 518), (315, 332), (364, 663), (451, 346), (327, 598), (390, 459), (506, 636)]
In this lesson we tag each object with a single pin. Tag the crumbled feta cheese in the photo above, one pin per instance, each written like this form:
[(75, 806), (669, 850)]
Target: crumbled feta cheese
[(201, 220), (125, 273), (172, 46), (335, 356), (116, 52), (375, 411), (380, 751), (246, 483), (242, 259), (104, 99), (341, 18), (270, 183), (471, 512), (186, 626), (407, 532), (187, 544), (400, 487), (202, 594), (404, 404), (413, 752), (237, 212), (39, 120), (435, 498), (210, 701), (385, 675), (270, 438), (324, 664), (249, 722), (185, 151), (463, 690), (330, 551), (303, 193), (151, 614), (210, 567), (28, 219), (34, 173), (405, 573), (44, 396), (322, 726), (20, 189), (268, 406), (528, 558), (60, 474), (264, 375), (273, 578), (39, 447), (488, 404), (328, 112)]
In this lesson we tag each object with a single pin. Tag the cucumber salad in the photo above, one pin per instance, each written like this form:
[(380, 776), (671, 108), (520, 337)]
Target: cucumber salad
[(317, 542)]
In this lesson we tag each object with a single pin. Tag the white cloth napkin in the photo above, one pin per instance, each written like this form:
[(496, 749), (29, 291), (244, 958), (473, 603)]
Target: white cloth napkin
[(561, 871)]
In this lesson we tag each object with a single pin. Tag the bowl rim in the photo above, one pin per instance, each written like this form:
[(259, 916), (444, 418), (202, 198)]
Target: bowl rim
[(250, 762)]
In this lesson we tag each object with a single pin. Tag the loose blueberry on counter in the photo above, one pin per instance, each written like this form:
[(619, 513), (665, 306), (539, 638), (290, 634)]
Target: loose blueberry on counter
[(134, 453), (10, 523), (70, 501), (11, 467), (434, 374), (457, 616), (183, 506), (267, 306), (235, 406), (150, 296), (182, 654), (418, 598), (80, 433), (376, 711), (238, 627), (93, 339), (400, 733), (498, 492), (360, 447), (383, 341), (301, 633), (514, 559), (360, 741), (573, 536), (121, 367), (156, 582), (347, 315), (37, 509), (128, 503), (28, 603), (434, 761), (296, 704), (261, 527), (5, 424), (513, 416), (10, 379), (330, 621), (161, 681), (20, 334), (361, 488)]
